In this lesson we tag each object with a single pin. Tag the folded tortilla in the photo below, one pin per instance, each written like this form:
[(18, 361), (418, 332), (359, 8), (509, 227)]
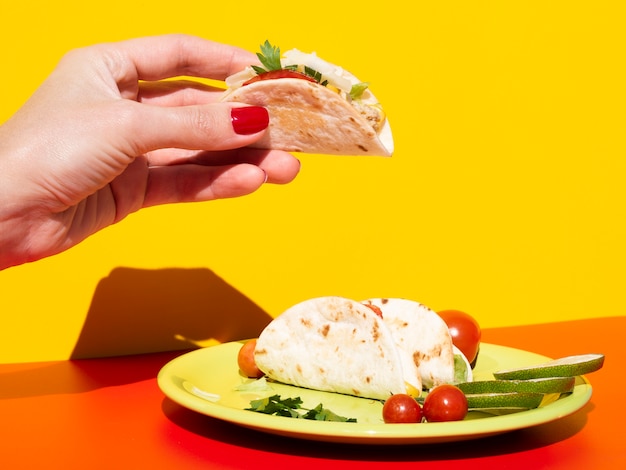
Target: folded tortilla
[(312, 118), (422, 338), (340, 345), (332, 344)]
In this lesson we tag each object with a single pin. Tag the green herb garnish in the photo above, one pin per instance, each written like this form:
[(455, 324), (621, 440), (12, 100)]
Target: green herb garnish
[(269, 57), (357, 90), (289, 407)]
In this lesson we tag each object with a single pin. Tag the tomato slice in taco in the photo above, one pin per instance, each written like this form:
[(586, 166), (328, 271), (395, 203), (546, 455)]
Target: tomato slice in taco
[(314, 106)]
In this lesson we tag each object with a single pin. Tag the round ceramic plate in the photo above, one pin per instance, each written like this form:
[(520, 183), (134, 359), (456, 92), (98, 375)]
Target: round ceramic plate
[(208, 381)]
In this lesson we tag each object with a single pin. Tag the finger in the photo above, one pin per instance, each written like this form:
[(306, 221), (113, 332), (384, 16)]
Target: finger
[(195, 183), (280, 167), (217, 126), (159, 57), (177, 93)]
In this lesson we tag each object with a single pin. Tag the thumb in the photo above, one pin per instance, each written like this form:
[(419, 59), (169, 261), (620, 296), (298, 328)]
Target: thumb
[(218, 126)]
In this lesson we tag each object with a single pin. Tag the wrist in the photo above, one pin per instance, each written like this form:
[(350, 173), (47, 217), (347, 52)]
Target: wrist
[(15, 226), (13, 235)]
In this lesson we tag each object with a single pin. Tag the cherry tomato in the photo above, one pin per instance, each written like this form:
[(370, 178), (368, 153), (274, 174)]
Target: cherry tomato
[(402, 408), (283, 73), (465, 332), (245, 360), (445, 403)]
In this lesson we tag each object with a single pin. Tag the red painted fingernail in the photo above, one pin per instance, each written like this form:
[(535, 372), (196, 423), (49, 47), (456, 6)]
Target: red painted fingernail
[(249, 119)]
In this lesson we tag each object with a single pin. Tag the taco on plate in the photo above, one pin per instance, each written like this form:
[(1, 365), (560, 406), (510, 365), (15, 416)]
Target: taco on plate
[(340, 345), (314, 106)]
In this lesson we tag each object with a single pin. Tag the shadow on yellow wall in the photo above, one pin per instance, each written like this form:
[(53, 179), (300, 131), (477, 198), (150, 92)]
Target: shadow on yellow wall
[(136, 311)]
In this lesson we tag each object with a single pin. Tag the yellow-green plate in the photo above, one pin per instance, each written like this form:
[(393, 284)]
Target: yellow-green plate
[(206, 381)]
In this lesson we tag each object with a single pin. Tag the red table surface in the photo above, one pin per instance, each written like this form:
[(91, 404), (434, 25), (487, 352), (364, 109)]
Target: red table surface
[(109, 413)]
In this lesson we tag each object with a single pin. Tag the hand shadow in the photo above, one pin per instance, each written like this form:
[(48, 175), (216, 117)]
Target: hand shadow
[(135, 311)]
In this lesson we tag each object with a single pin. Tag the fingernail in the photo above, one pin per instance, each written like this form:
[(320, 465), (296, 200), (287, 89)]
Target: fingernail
[(249, 119)]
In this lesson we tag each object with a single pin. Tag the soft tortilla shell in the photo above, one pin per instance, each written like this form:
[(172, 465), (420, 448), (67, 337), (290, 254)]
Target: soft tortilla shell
[(331, 344), (310, 118), (422, 338)]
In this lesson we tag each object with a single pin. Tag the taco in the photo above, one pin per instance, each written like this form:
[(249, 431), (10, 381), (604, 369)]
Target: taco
[(314, 106), (341, 345)]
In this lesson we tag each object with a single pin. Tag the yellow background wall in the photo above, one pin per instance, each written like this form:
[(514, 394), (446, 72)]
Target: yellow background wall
[(505, 196)]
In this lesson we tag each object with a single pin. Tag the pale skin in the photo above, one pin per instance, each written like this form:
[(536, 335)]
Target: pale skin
[(105, 136)]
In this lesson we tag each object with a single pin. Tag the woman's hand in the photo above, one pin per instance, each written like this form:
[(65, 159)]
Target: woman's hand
[(106, 135)]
